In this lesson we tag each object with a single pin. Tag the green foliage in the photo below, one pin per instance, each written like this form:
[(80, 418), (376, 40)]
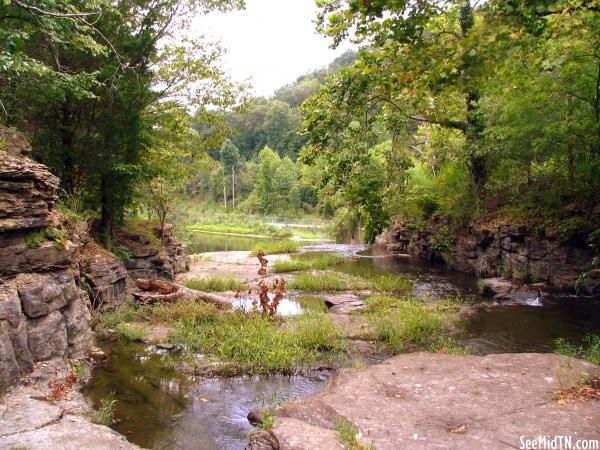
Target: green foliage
[(485, 289), (442, 241), (35, 238), (123, 253), (277, 183), (79, 369), (216, 283), (267, 421), (590, 350), (460, 111), (104, 91), (276, 247)]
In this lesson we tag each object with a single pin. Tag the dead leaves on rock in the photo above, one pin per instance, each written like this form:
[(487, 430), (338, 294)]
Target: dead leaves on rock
[(60, 390), (585, 391)]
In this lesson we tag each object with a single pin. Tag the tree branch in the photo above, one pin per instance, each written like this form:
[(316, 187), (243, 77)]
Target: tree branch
[(37, 10)]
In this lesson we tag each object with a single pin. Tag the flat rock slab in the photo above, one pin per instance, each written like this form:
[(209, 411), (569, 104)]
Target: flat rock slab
[(27, 421), (239, 264), (426, 400), (70, 433)]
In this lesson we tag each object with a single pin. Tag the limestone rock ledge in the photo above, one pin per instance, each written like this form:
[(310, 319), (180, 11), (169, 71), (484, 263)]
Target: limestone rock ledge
[(44, 313), (29, 421), (426, 400)]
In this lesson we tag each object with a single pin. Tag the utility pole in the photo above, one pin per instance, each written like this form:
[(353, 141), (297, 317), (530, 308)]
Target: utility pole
[(224, 189)]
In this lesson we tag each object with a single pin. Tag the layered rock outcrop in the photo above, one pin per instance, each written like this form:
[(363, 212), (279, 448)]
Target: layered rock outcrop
[(160, 258), (44, 314), (511, 251)]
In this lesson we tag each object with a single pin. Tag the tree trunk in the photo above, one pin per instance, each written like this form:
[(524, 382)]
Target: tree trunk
[(571, 163), (233, 185), (106, 211), (162, 291), (67, 138), (224, 189)]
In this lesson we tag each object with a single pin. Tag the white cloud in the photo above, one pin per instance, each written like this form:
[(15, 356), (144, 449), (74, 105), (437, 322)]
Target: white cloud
[(271, 42)]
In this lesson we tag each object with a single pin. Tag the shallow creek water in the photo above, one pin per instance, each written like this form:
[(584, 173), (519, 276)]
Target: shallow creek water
[(161, 408)]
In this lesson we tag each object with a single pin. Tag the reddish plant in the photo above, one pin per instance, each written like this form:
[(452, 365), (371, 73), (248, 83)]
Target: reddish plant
[(263, 263)]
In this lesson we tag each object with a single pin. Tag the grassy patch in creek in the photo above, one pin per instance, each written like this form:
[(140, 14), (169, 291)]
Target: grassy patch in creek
[(235, 223), (326, 282), (405, 323), (307, 261), (215, 283), (276, 247), (258, 344), (329, 281)]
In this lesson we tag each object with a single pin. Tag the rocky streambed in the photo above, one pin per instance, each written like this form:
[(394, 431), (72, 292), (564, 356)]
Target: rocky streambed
[(408, 401)]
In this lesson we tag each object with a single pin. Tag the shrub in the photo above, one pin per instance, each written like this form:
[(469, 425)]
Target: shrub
[(485, 289)]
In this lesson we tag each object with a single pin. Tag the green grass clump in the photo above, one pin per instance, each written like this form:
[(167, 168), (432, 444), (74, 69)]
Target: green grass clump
[(325, 282), (216, 283), (276, 247), (173, 312), (406, 323), (590, 351), (318, 332), (348, 434), (307, 261), (256, 343), (391, 283), (105, 414), (131, 332)]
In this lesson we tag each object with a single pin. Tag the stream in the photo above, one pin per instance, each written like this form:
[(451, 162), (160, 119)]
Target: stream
[(161, 408)]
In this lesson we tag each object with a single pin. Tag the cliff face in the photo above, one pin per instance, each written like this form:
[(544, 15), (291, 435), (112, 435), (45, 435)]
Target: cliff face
[(508, 251), (44, 314)]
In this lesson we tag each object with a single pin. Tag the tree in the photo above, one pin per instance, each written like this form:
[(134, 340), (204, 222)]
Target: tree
[(93, 114), (276, 186), (230, 158)]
